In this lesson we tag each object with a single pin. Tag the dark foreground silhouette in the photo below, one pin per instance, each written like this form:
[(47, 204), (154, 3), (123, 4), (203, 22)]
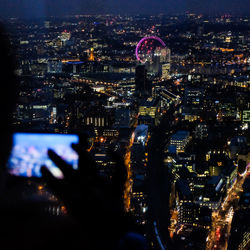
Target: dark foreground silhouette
[(94, 217)]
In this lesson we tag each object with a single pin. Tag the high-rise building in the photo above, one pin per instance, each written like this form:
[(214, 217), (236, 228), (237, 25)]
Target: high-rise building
[(138, 166), (154, 67), (143, 85), (65, 36), (165, 55), (165, 71), (149, 112), (240, 230), (165, 60)]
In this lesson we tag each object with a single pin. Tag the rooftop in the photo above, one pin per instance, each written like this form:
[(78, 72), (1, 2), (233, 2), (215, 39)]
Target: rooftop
[(150, 102)]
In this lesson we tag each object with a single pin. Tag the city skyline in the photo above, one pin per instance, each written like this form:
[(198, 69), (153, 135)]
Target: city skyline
[(168, 94), (45, 8)]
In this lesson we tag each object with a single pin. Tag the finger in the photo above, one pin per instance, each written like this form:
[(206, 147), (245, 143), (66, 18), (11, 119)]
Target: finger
[(49, 179), (66, 168), (86, 165)]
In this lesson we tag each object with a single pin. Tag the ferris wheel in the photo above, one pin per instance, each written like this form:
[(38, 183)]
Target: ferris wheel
[(148, 48)]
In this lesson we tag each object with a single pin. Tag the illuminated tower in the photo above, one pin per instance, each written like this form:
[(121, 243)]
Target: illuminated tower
[(65, 37), (165, 69), (165, 63), (91, 56)]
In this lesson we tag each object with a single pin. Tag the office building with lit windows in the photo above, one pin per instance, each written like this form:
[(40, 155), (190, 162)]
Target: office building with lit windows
[(180, 140), (189, 212), (246, 116), (193, 96), (149, 112), (240, 229)]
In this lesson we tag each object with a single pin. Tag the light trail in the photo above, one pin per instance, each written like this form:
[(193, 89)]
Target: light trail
[(128, 184), (225, 221)]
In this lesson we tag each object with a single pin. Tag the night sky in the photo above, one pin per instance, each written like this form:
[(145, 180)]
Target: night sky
[(46, 8)]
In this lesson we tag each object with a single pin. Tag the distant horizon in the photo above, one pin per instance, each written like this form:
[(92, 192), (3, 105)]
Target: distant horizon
[(123, 15), (30, 9)]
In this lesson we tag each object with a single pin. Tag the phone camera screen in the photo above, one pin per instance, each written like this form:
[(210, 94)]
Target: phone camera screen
[(30, 152)]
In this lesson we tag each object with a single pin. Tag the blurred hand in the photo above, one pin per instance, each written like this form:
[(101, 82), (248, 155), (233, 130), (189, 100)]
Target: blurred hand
[(96, 203)]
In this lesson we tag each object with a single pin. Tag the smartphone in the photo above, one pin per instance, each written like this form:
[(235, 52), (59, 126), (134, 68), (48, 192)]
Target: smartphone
[(30, 152)]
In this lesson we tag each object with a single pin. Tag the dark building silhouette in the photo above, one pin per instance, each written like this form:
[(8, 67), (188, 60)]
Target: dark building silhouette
[(143, 85)]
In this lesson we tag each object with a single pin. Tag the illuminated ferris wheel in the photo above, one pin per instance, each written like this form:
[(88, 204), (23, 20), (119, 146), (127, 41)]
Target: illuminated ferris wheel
[(150, 47)]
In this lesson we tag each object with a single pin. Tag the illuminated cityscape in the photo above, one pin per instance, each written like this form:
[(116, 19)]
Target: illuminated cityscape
[(170, 93)]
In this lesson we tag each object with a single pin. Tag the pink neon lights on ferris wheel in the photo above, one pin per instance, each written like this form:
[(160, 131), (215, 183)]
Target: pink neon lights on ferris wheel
[(144, 39)]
